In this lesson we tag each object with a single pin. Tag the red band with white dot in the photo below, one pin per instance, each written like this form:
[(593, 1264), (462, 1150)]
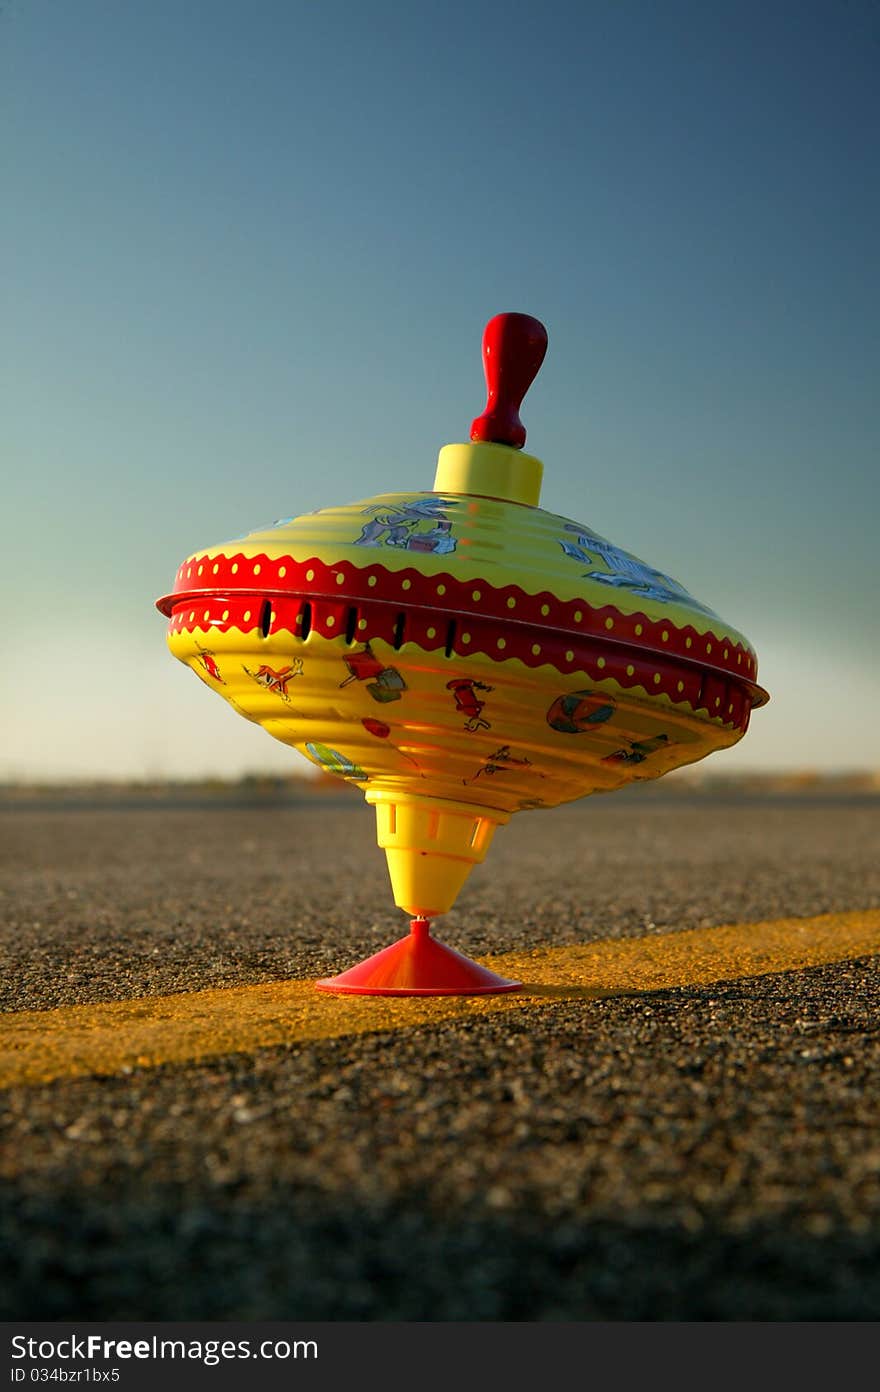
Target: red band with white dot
[(469, 617)]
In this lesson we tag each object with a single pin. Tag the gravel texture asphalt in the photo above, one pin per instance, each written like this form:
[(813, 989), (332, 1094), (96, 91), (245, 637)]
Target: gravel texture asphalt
[(698, 1153)]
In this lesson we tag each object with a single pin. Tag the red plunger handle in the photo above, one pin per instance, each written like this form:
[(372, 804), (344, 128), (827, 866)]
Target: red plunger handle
[(513, 349)]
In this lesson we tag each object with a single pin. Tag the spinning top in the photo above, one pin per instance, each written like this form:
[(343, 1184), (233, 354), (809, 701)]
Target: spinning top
[(461, 655)]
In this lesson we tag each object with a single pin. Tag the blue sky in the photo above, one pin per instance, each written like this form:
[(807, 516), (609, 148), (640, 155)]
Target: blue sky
[(248, 253)]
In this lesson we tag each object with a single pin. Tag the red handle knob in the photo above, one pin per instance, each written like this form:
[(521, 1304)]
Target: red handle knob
[(513, 349)]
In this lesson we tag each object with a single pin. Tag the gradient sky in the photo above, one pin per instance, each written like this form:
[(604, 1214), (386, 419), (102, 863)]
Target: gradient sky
[(248, 252)]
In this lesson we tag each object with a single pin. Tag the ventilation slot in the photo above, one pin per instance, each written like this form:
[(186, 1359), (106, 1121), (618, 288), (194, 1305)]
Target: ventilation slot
[(305, 621), (450, 638), (399, 630), (265, 618), (351, 625)]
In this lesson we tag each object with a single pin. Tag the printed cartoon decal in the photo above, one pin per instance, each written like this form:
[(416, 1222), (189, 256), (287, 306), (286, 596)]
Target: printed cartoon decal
[(380, 730), (209, 662), (468, 702), (267, 527), (385, 683), (579, 711), (638, 751), (376, 727), (626, 572), (277, 681), (388, 685), (361, 665), (334, 762), (404, 525), (502, 761), (275, 524)]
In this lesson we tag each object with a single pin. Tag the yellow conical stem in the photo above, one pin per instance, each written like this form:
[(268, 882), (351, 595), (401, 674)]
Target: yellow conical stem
[(431, 846)]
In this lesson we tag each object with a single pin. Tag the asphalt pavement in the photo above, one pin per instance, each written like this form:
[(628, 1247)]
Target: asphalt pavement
[(700, 1151)]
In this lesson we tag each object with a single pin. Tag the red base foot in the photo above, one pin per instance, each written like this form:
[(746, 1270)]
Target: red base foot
[(417, 965)]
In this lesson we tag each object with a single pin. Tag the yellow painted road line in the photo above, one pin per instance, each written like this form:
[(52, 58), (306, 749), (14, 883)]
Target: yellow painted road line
[(37, 1046)]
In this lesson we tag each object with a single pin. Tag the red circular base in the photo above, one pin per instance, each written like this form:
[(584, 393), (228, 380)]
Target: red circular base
[(417, 965), (334, 986)]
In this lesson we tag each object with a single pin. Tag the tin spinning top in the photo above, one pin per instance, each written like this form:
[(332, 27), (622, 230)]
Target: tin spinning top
[(461, 655)]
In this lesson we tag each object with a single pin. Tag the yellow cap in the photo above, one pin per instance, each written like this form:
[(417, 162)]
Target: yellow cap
[(486, 470)]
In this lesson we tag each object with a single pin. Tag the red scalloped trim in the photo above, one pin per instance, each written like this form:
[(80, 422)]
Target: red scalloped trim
[(240, 586)]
